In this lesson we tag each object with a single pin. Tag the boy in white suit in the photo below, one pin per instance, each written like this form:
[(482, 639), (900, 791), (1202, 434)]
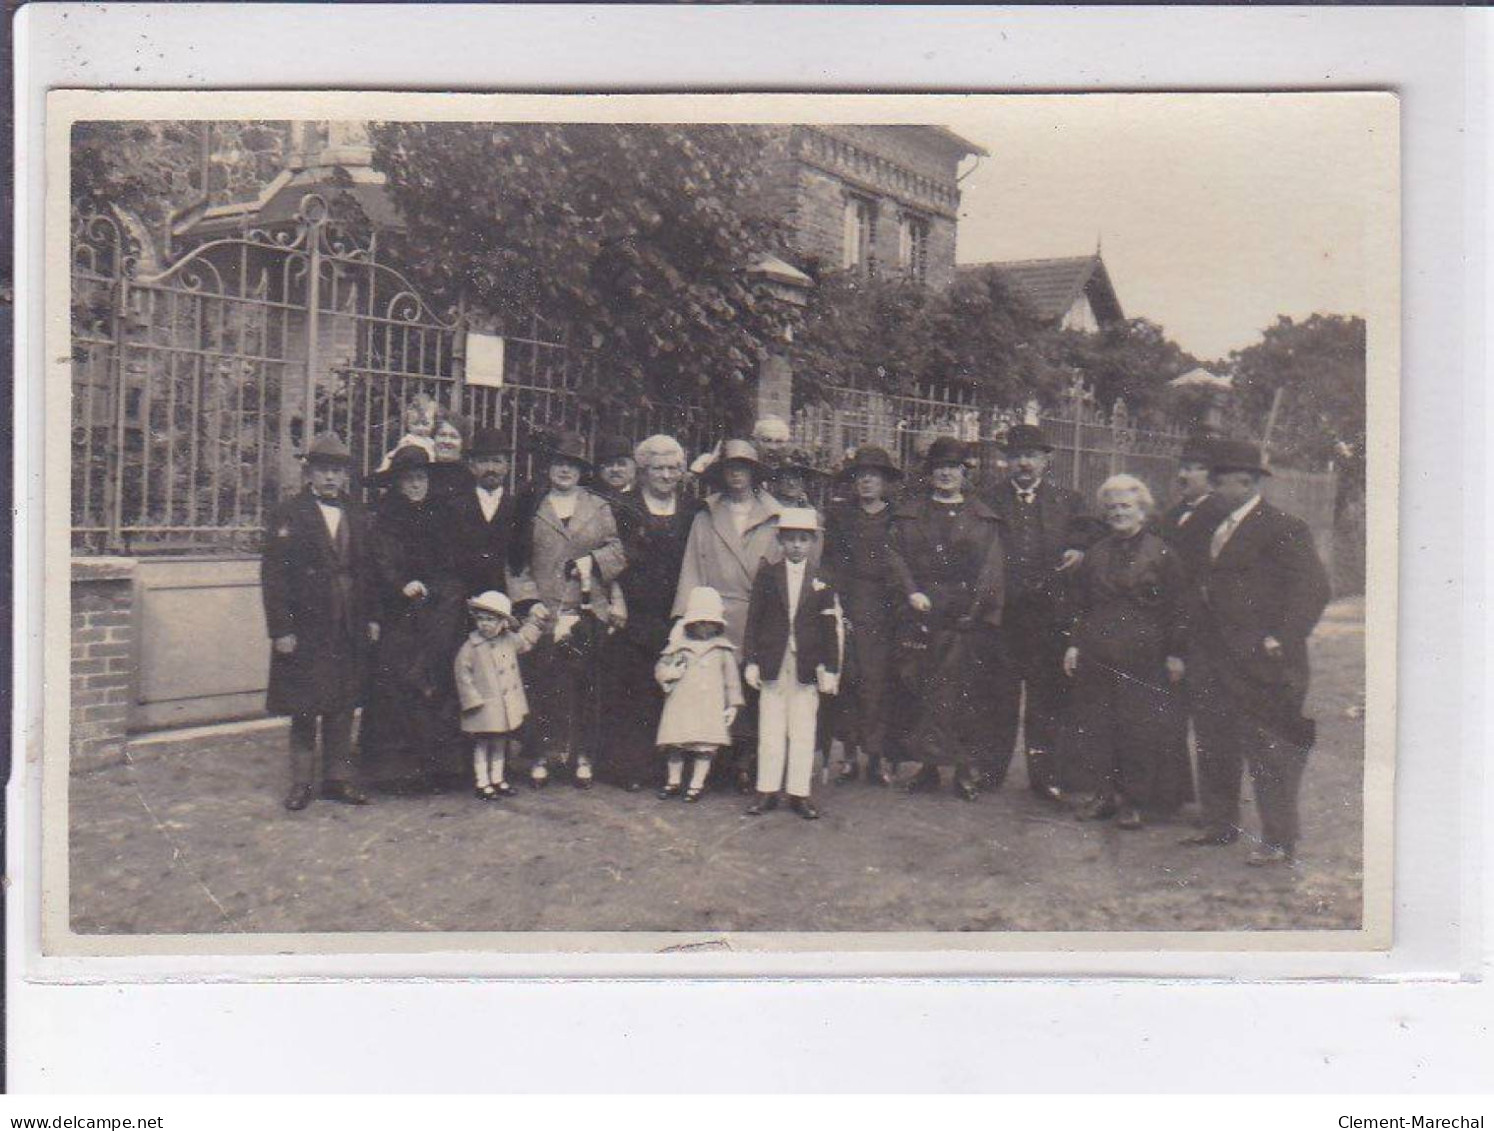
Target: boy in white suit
[(791, 653)]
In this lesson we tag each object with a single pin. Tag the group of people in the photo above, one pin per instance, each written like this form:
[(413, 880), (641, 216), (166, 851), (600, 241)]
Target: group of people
[(605, 623)]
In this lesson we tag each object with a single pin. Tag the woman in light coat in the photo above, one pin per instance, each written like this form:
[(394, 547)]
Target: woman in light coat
[(733, 535), (567, 560)]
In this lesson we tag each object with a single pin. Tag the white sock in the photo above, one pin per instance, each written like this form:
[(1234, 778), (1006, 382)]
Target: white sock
[(675, 767), (495, 764), (699, 770), (480, 763), (583, 768)]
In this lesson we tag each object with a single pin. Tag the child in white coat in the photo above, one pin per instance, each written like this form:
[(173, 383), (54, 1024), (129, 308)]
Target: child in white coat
[(698, 672), (491, 690)]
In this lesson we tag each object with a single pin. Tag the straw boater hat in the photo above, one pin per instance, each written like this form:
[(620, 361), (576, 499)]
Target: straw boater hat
[(1237, 455), (1026, 438), (704, 605), (799, 518), (328, 448), (869, 457), (945, 449)]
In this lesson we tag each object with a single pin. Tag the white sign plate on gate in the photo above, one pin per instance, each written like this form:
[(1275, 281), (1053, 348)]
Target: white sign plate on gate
[(484, 360)]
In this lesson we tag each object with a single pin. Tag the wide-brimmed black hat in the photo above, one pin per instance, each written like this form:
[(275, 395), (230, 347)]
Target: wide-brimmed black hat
[(407, 457), (328, 448), (488, 443), (1026, 438), (569, 446), (612, 447), (945, 449), (1237, 455), (1197, 449), (869, 457)]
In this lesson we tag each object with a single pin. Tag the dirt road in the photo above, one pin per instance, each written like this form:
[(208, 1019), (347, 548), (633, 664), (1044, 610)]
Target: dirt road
[(193, 839)]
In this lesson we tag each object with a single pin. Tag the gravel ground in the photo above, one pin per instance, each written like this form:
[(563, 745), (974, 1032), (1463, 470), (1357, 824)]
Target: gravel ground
[(192, 838)]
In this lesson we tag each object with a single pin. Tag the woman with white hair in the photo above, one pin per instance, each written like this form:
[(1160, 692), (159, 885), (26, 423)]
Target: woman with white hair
[(654, 522), (1125, 656)]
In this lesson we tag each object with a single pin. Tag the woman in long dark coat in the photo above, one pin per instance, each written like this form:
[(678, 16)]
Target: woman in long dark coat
[(858, 556), (411, 706), (1126, 658), (947, 558), (654, 524)]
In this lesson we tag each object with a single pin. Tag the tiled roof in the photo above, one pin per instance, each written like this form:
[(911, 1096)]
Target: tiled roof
[(1051, 286)]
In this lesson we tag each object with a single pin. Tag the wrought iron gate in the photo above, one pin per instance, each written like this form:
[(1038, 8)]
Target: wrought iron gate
[(191, 383)]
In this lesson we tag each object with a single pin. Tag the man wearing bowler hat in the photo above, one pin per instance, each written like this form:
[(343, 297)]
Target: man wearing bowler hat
[(1258, 595), (317, 585), (481, 516), (1187, 524), (1045, 533)]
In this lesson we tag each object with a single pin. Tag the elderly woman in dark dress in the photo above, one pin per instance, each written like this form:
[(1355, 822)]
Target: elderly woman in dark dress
[(406, 724), (1125, 657), (858, 557), (947, 559), (654, 524)]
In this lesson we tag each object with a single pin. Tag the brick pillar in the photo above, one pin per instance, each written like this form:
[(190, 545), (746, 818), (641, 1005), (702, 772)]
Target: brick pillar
[(103, 659)]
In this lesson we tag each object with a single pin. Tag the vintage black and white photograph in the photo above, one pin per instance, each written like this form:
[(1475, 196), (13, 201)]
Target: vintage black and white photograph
[(903, 517)]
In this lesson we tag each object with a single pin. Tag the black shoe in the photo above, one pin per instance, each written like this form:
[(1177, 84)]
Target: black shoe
[(967, 790), (926, 779), (848, 772), (805, 808), (539, 781), (633, 787), (298, 798), (485, 793), (692, 794), (1101, 808), (1130, 819), (1271, 856), (345, 792), (765, 803), (744, 782), (1211, 838), (668, 791), (503, 789)]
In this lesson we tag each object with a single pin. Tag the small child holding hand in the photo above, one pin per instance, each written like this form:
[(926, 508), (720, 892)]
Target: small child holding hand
[(698, 672), (491, 690)]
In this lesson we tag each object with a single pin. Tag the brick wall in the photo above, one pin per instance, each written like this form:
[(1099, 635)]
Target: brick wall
[(897, 168), (103, 660)]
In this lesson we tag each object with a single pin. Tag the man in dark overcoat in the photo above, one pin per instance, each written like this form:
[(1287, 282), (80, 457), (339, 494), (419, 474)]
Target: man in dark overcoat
[(317, 585), (1045, 532), (481, 517), (1256, 600), (1186, 527)]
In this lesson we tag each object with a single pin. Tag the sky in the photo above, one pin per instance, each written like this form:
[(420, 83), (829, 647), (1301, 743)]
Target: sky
[(1215, 213)]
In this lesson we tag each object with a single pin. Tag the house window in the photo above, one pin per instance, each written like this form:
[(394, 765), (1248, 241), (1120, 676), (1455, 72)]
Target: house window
[(860, 235), (913, 246)]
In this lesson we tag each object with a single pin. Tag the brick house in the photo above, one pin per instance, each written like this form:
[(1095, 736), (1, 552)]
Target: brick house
[(879, 200)]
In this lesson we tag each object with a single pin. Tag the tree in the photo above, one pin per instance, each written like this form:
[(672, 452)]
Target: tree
[(639, 238), (1133, 361), (898, 336), (1319, 366)]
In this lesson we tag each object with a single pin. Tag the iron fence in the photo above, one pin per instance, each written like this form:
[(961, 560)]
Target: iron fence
[(191, 383)]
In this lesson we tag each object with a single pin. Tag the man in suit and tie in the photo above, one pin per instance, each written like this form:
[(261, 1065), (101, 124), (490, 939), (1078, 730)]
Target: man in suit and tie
[(1258, 595), (317, 584), (481, 517), (1187, 524), (1045, 533)]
